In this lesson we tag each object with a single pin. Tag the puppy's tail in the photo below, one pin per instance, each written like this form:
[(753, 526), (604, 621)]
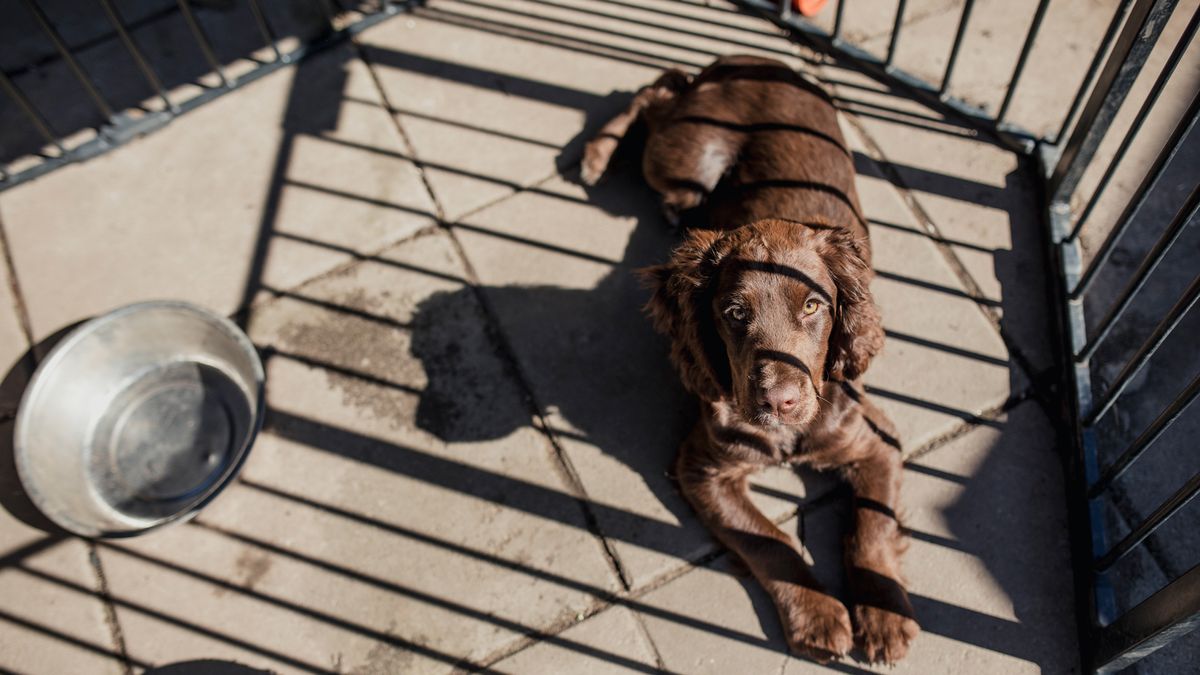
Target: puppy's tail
[(599, 151)]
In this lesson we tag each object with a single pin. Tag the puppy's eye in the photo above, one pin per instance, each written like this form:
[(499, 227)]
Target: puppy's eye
[(737, 314), (811, 307)]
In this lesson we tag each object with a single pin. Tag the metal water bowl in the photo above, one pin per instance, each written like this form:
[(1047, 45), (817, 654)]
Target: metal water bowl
[(138, 418)]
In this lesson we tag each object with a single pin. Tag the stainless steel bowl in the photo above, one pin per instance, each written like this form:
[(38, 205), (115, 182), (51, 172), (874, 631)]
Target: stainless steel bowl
[(138, 418)]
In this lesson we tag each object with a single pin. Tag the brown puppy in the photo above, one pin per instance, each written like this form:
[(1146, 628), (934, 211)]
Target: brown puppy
[(772, 325)]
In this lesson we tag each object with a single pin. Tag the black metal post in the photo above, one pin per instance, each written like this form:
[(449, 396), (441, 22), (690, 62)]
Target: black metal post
[(837, 19), (264, 28), (896, 26), (1146, 438), (1164, 511), (1129, 54), (203, 42), (1090, 77), (1161, 331), (1171, 612), (958, 40), (61, 47), (1136, 126), (1186, 126), (34, 116), (1161, 247), (1034, 27), (139, 59)]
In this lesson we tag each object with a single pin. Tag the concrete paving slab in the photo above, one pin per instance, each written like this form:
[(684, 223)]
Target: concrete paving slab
[(711, 621), (978, 196), (263, 188), (356, 538), (52, 619), (990, 570), (557, 267), (989, 573), (609, 642)]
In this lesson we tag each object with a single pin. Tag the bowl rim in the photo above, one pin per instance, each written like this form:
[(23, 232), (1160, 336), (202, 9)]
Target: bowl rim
[(82, 332)]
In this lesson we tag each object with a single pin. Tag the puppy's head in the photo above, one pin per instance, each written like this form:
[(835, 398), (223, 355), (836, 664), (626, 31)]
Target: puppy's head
[(763, 315)]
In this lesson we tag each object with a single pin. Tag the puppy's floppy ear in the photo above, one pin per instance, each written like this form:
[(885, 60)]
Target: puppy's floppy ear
[(857, 330), (681, 308)]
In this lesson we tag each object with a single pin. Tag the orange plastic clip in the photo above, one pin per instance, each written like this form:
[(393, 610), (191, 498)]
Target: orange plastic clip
[(808, 7)]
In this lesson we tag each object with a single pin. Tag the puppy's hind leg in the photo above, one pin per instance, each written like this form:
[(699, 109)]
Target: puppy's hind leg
[(680, 197), (599, 150), (684, 163)]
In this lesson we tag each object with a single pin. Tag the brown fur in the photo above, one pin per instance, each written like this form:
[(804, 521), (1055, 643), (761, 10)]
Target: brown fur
[(772, 325)]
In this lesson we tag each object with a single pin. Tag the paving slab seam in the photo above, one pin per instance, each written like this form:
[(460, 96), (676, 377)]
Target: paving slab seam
[(539, 635), (504, 351), (14, 286), (507, 355), (648, 639), (990, 415), (783, 666), (626, 599), (439, 211), (568, 472), (566, 468), (974, 292), (605, 600), (110, 611), (518, 190)]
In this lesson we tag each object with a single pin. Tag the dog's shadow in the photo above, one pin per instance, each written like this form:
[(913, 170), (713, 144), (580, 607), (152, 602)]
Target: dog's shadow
[(595, 366)]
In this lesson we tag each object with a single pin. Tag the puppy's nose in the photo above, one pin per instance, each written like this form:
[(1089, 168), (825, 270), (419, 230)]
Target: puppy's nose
[(782, 399)]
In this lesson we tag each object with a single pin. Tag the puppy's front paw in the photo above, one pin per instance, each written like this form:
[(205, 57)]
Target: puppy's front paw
[(596, 155), (884, 636), (818, 626)]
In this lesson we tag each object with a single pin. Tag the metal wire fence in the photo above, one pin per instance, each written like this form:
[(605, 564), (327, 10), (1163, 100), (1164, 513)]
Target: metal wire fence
[(116, 124)]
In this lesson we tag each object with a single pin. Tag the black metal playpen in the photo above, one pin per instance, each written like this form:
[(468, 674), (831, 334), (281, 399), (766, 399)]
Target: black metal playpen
[(1081, 252)]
